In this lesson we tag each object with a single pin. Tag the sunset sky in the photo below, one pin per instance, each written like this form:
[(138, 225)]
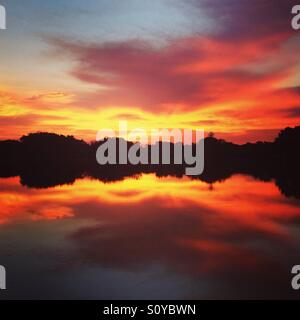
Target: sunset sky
[(74, 67)]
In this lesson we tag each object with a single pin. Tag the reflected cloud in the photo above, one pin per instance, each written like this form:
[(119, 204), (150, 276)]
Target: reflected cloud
[(180, 224)]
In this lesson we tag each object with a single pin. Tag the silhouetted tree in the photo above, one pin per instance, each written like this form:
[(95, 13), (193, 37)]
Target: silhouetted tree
[(48, 159)]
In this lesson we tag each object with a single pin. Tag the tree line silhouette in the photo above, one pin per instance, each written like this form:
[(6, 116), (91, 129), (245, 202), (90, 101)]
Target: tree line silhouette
[(46, 159)]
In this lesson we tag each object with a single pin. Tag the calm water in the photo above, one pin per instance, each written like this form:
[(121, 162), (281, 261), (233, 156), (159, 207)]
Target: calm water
[(149, 238)]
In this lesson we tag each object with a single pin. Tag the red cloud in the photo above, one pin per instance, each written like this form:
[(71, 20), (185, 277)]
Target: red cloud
[(190, 72)]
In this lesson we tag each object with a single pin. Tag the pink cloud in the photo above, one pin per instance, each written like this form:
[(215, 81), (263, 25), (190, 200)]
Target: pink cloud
[(189, 72)]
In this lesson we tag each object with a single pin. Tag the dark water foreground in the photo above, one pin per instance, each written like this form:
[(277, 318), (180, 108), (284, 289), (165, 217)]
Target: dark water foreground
[(158, 238)]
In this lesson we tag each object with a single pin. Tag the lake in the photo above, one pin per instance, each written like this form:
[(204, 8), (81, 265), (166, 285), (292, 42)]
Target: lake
[(149, 238)]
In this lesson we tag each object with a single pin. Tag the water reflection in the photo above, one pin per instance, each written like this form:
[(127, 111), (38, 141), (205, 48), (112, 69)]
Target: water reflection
[(149, 237)]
